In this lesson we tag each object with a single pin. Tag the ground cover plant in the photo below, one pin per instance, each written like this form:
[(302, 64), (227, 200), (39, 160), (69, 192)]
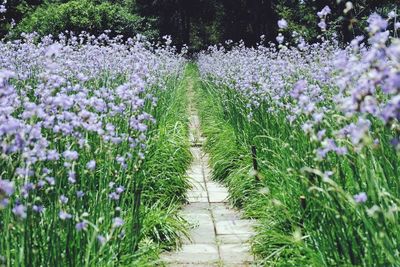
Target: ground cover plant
[(79, 124), (313, 143)]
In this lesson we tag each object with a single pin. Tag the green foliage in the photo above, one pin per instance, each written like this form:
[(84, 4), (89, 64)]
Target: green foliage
[(306, 219), (77, 16), (152, 224), (195, 23), (302, 17)]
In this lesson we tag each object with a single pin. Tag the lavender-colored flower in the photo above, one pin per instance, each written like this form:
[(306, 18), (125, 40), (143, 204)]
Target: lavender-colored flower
[(360, 197), (117, 222), (120, 190), (41, 183), (63, 199), (324, 12), (282, 24), (280, 38), (26, 189), (81, 226), (114, 196), (64, 215), (38, 208), (4, 203), (19, 210), (6, 188), (376, 23), (53, 155), (392, 14), (50, 180), (70, 155), (101, 239), (322, 25), (91, 165), (3, 9), (71, 177), (80, 194)]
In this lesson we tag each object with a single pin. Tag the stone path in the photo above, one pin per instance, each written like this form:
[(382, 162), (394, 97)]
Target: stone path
[(219, 236)]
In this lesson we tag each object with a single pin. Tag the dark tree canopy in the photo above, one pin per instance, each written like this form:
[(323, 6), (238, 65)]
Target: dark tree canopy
[(197, 23)]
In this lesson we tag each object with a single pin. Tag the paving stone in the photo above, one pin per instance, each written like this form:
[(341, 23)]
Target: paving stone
[(197, 178), (197, 208), (197, 194), (215, 187), (195, 169), (235, 254), (234, 227), (199, 218), (197, 199), (198, 185), (197, 154), (234, 239), (215, 264), (222, 212), (203, 232), (193, 253), (207, 173), (208, 211), (218, 197)]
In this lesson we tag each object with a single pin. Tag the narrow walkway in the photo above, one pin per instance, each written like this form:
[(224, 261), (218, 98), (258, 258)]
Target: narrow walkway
[(219, 237)]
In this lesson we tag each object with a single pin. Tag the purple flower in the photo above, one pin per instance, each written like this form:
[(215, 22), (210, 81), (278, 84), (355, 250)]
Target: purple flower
[(63, 199), (50, 180), (53, 155), (6, 188), (4, 203), (70, 155), (3, 9), (41, 183), (26, 189), (361, 197), (81, 226), (117, 222), (102, 240), (64, 215), (324, 12), (120, 189), (298, 89), (19, 210), (71, 177), (322, 25), (113, 196), (282, 24), (376, 23), (280, 38), (80, 194), (38, 208), (91, 165)]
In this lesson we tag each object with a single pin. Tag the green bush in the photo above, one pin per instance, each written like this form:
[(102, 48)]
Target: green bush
[(84, 15)]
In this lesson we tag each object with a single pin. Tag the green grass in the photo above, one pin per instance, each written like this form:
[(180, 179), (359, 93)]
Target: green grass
[(327, 228), (154, 190)]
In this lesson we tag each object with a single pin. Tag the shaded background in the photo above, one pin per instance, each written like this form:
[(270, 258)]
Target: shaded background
[(197, 23)]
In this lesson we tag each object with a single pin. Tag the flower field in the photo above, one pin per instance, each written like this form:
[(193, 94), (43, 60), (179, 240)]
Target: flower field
[(77, 119), (322, 122), (95, 147)]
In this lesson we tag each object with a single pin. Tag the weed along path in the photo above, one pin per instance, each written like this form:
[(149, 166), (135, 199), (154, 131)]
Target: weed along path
[(219, 236)]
